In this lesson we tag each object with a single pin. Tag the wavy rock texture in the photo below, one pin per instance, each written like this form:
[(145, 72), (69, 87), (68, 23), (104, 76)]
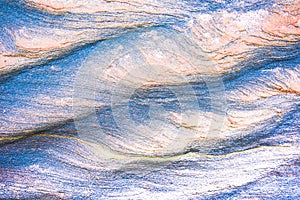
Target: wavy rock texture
[(119, 99)]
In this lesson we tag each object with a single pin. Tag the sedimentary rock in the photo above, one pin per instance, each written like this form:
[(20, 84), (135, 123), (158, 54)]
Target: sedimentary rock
[(149, 99)]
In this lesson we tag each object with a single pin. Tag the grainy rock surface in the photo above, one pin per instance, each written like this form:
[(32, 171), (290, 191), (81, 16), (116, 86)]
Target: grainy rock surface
[(119, 99)]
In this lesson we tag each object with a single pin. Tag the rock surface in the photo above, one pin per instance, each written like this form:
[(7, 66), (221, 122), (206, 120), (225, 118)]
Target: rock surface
[(149, 99)]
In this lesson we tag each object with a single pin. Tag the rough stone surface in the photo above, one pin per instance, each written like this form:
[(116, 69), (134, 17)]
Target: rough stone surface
[(118, 99)]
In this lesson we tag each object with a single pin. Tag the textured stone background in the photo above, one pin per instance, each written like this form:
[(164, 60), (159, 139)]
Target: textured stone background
[(119, 99)]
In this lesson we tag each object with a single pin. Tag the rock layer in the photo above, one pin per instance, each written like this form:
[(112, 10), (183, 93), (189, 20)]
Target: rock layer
[(149, 99)]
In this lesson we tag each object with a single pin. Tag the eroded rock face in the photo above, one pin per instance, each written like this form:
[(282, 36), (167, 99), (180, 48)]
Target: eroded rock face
[(149, 99)]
